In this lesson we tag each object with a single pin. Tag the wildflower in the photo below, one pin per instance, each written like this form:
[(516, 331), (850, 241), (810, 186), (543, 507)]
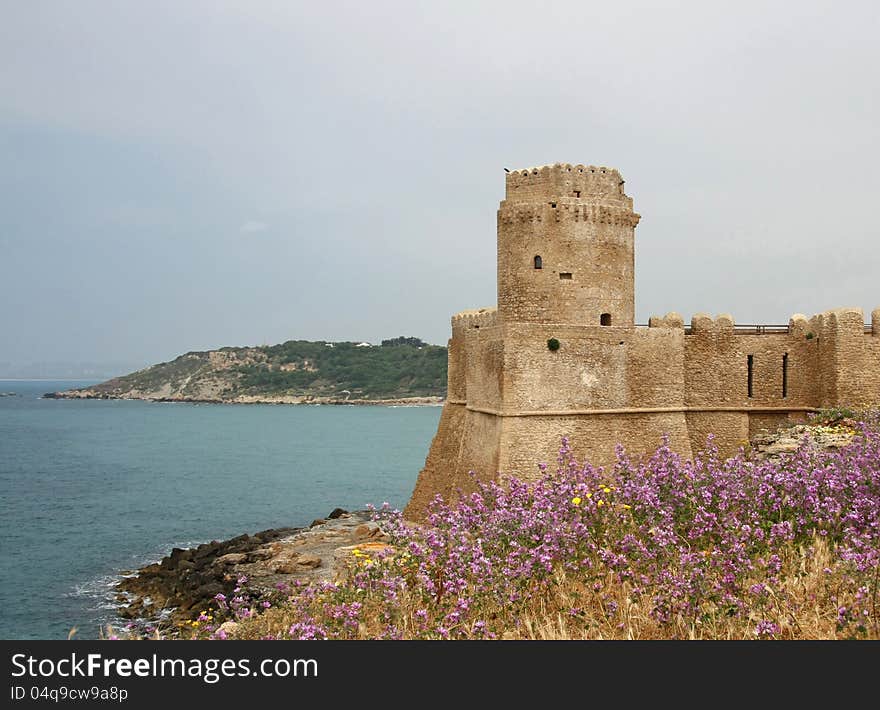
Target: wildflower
[(766, 628), (576, 500)]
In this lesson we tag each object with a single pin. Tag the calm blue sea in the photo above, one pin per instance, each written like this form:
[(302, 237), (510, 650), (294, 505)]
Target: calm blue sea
[(91, 488)]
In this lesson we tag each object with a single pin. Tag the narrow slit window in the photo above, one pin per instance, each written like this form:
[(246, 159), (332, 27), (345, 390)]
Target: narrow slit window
[(539, 263), (785, 375), (565, 276), (577, 193), (751, 376), (605, 319)]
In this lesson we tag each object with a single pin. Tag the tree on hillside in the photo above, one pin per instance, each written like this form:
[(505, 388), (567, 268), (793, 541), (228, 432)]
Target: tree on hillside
[(403, 340)]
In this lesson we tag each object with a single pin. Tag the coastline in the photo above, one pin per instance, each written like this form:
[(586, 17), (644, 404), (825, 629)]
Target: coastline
[(174, 590), (428, 401)]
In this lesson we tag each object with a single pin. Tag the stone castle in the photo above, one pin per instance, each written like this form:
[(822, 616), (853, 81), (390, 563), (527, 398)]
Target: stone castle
[(562, 355)]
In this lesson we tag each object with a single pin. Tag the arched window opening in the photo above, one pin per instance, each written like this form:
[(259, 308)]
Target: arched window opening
[(539, 264), (605, 319)]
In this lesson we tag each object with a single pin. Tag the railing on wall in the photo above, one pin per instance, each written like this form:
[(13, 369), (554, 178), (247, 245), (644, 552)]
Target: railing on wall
[(755, 328), (759, 329)]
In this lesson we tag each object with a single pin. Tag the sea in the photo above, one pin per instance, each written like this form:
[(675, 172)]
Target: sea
[(92, 489)]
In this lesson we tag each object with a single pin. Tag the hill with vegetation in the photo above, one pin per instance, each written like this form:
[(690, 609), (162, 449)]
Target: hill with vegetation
[(297, 371)]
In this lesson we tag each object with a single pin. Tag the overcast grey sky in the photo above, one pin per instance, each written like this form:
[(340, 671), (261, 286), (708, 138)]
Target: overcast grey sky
[(184, 175)]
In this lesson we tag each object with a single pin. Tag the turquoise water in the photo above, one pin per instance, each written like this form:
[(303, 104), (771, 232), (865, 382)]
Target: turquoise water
[(90, 488)]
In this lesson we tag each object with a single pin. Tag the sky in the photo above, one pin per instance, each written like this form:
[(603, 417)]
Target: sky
[(181, 176)]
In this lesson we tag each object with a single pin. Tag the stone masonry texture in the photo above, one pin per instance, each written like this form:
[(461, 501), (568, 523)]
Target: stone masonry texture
[(566, 236)]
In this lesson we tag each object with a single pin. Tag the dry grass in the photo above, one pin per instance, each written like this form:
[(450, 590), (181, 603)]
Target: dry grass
[(804, 606)]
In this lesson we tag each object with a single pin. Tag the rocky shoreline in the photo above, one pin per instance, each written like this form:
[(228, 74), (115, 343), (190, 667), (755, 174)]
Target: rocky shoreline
[(433, 401), (185, 582)]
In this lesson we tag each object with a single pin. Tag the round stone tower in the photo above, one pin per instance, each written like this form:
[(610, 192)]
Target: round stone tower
[(565, 247)]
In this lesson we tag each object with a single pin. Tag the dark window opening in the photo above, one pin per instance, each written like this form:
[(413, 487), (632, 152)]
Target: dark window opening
[(785, 375), (577, 193), (553, 205), (539, 263), (605, 319), (751, 373), (565, 276)]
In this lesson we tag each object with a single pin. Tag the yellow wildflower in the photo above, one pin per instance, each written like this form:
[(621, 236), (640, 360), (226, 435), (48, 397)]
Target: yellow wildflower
[(627, 507), (576, 500), (600, 503), (606, 489), (589, 495)]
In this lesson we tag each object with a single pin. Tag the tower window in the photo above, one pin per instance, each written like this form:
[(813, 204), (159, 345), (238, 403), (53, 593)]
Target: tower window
[(577, 193), (751, 375), (539, 264), (565, 276), (553, 205), (785, 375), (605, 319)]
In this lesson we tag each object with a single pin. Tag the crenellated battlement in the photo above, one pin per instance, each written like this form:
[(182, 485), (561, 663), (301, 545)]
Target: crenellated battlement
[(567, 209), (670, 320), (799, 325), (478, 318), (840, 321), (589, 183)]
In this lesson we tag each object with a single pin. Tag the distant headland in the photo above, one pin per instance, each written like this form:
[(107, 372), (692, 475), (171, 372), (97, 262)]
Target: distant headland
[(399, 371)]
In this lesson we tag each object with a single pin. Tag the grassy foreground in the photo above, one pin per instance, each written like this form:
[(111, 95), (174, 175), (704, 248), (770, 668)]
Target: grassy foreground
[(661, 548)]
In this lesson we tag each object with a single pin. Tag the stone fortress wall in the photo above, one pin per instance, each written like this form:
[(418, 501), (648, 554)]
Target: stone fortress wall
[(565, 271)]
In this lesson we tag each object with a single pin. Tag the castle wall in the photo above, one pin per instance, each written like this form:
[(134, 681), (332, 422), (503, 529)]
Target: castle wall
[(717, 380), (717, 366), (729, 430), (511, 399), (594, 368), (465, 441), (849, 357), (529, 440), (485, 353)]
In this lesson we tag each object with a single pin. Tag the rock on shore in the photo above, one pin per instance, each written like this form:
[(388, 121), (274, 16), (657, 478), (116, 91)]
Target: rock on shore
[(774, 445), (186, 581)]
